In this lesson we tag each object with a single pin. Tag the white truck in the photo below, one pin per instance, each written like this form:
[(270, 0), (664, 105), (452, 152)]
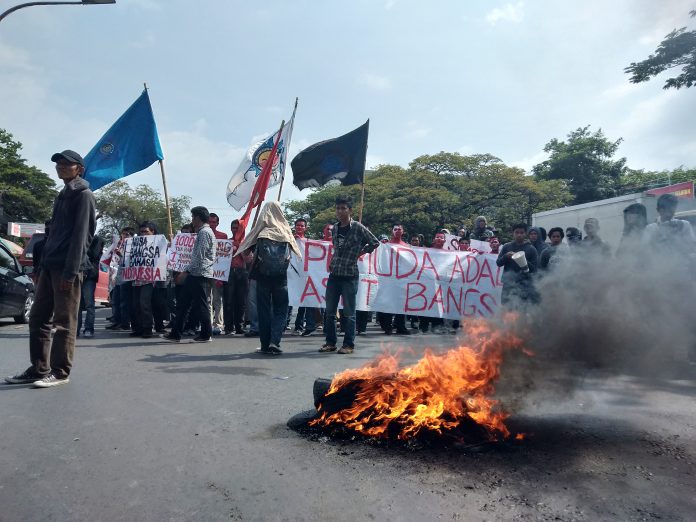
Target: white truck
[(609, 212)]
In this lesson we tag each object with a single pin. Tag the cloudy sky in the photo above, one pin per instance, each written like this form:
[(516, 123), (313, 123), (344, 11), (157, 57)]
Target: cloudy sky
[(467, 76)]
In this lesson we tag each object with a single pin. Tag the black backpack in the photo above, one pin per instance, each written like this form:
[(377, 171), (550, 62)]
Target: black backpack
[(272, 257)]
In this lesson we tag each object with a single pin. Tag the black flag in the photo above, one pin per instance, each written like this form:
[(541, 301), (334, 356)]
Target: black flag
[(340, 158)]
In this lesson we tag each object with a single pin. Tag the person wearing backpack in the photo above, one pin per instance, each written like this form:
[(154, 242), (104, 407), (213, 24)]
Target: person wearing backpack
[(273, 242)]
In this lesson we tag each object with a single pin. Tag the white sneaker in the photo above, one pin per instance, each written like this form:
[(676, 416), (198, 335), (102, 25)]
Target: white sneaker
[(50, 381)]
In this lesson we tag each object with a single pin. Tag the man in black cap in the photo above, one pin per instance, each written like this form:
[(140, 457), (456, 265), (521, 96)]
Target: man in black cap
[(57, 298)]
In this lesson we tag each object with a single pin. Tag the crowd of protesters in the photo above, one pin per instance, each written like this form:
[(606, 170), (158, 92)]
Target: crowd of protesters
[(254, 300)]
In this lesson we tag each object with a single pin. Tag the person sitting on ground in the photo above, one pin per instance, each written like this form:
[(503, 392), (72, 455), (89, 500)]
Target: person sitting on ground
[(517, 280)]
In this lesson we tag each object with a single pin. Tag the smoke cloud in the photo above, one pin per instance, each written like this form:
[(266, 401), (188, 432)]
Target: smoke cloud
[(601, 317)]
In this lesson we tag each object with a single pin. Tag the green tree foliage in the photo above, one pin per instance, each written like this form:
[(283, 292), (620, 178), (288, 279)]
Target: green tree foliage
[(120, 206), (678, 49), (640, 180), (445, 190), (26, 192), (585, 162)]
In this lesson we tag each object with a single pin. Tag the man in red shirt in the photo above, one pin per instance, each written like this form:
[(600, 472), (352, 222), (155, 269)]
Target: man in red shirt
[(217, 288), (236, 288), (391, 322)]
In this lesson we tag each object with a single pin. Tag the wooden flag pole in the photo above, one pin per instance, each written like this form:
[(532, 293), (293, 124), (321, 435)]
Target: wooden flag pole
[(362, 185), (282, 177), (362, 199), (166, 195), (166, 201)]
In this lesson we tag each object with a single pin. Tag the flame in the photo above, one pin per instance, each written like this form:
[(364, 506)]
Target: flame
[(435, 394)]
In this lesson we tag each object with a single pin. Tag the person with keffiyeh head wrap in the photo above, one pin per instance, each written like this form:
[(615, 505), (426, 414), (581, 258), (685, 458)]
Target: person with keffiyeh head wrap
[(273, 241)]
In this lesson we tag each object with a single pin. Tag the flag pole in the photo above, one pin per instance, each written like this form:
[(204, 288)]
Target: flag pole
[(166, 195), (362, 185), (270, 167), (166, 200), (362, 198), (282, 178)]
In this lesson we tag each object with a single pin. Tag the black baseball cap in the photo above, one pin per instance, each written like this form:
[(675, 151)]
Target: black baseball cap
[(68, 155)]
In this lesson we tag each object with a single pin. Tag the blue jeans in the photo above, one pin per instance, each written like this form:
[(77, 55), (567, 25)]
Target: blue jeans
[(272, 308), (335, 289), (87, 303)]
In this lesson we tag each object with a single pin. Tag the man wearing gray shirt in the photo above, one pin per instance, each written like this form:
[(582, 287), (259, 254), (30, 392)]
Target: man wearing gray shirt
[(196, 280)]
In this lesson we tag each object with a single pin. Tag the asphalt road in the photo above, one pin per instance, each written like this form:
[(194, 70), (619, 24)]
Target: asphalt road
[(149, 431)]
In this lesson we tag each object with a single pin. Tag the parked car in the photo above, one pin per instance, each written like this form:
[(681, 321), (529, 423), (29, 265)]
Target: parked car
[(26, 259), (16, 288), (101, 293)]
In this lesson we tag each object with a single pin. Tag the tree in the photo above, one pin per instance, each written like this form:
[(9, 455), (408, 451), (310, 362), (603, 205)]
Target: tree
[(585, 163), (445, 190), (26, 193), (640, 180), (120, 206), (678, 49)]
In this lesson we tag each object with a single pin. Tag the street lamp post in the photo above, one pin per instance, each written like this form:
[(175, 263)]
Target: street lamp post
[(29, 4)]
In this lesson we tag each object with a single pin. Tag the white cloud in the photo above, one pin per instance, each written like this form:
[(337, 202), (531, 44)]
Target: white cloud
[(528, 162), (416, 130), (508, 13), (376, 82), (620, 91)]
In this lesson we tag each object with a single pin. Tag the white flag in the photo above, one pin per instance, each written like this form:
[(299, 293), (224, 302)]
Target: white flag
[(242, 181)]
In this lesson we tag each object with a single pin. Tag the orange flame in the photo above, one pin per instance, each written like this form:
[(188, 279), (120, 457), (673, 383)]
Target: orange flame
[(433, 395)]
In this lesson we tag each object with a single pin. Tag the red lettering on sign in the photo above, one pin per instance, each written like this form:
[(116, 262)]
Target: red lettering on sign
[(310, 291), (471, 298), (369, 282), (485, 272), (457, 269), (410, 252), (314, 251), (489, 303), (437, 298), (472, 261), (429, 266), (420, 287), (454, 300)]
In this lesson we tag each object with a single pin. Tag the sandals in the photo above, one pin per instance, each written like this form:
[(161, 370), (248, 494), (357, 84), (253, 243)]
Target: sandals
[(328, 348), (345, 349)]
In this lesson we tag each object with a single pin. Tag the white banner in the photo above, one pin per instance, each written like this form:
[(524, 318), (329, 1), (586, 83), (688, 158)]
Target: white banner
[(404, 280), (145, 259), (179, 255)]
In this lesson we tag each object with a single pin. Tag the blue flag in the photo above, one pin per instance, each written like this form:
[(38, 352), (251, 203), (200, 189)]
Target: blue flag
[(129, 146)]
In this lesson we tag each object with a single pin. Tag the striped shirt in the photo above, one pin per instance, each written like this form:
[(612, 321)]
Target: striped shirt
[(203, 254)]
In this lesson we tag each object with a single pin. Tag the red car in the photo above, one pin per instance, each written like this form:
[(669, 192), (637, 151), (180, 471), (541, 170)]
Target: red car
[(101, 293)]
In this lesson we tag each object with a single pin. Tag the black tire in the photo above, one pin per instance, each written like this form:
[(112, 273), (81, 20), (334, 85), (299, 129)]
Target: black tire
[(23, 318)]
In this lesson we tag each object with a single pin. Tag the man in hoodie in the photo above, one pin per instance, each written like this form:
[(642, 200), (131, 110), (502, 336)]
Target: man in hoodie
[(517, 281), (58, 289), (481, 232), (536, 239)]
